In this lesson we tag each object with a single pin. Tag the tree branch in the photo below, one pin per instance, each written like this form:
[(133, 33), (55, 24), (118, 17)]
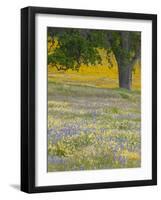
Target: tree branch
[(136, 57)]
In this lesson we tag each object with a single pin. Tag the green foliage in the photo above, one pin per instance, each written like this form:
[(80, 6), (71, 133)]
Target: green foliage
[(78, 46), (73, 50)]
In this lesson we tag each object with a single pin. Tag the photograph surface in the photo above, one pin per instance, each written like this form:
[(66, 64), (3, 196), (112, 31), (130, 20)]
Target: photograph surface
[(94, 99)]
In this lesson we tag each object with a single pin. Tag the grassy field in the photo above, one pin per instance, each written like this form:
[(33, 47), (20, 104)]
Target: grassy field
[(92, 125)]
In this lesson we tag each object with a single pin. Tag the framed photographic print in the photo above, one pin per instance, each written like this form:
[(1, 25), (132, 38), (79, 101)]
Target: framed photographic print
[(88, 99)]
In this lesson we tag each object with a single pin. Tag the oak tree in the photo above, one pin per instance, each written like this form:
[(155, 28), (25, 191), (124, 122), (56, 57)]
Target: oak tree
[(80, 46)]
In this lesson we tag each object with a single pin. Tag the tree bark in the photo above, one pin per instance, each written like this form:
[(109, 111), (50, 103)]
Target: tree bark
[(125, 77), (125, 72)]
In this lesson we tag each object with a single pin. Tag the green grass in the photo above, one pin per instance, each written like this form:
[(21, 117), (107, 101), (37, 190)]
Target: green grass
[(92, 128)]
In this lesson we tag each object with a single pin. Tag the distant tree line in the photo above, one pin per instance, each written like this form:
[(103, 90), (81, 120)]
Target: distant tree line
[(80, 46)]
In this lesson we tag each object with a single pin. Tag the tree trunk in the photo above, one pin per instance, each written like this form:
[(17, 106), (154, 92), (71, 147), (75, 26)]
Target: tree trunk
[(125, 77), (125, 70)]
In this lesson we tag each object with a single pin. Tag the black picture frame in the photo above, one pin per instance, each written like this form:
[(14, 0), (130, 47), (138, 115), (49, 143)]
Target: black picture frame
[(28, 99)]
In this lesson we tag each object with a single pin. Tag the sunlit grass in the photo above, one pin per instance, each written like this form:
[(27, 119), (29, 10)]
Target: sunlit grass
[(101, 77)]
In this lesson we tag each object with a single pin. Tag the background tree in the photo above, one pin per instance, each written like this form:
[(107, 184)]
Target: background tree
[(80, 46)]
